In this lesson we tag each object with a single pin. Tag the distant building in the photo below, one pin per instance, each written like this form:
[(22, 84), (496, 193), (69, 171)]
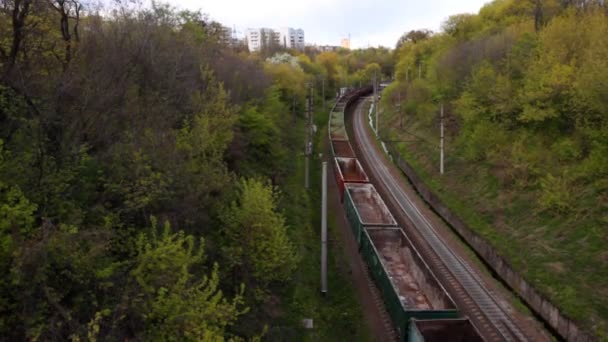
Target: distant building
[(258, 37), (346, 43), (326, 48), (291, 38), (285, 37), (228, 36)]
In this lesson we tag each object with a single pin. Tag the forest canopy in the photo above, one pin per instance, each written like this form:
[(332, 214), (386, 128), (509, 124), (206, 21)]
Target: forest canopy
[(138, 149)]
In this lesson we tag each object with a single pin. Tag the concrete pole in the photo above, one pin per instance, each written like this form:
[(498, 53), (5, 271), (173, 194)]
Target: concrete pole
[(376, 102), (324, 230), (441, 144)]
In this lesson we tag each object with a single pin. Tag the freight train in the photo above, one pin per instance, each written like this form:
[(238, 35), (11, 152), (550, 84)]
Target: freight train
[(419, 307)]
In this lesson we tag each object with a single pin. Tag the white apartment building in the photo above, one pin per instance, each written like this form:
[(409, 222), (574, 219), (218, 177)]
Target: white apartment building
[(286, 37), (258, 37), (291, 38)]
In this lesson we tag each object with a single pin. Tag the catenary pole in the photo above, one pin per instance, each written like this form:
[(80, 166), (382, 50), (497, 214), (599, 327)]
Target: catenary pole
[(324, 230), (375, 102)]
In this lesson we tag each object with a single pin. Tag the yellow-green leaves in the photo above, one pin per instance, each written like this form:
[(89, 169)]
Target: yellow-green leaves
[(175, 302), (256, 236)]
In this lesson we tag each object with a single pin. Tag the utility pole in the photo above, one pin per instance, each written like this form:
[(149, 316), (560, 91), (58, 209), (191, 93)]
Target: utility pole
[(324, 230), (375, 101), (407, 75), (377, 110), (419, 70), (441, 144)]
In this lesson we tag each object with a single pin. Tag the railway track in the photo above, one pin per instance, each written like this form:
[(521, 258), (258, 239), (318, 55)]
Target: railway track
[(464, 284)]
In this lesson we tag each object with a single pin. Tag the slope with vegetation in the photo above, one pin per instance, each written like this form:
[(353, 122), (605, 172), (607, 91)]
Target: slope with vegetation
[(523, 84), (149, 180)]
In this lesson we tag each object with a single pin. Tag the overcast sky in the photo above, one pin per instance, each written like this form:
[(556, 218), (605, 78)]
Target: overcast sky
[(369, 22)]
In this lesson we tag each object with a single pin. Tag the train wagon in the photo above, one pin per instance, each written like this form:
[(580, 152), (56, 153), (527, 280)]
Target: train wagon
[(337, 128), (409, 288), (342, 148), (337, 118), (439, 330), (340, 106), (365, 208), (348, 170)]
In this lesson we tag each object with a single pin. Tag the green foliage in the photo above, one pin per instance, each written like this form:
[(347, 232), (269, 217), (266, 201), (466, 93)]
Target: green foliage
[(16, 211), (16, 224), (524, 88), (556, 194), (256, 236), (173, 303), (147, 112)]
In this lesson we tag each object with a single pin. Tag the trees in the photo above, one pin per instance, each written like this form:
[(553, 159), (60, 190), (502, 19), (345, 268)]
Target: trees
[(413, 36), (257, 246), (168, 297), (111, 116), (523, 85), (98, 136)]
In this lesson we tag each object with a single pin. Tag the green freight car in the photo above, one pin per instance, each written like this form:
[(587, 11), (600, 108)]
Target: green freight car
[(438, 330), (409, 289), (365, 208)]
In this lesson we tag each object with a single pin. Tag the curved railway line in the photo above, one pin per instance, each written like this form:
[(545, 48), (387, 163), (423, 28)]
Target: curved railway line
[(470, 292)]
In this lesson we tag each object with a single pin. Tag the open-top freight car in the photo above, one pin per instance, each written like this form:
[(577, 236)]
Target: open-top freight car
[(342, 148), (339, 107), (409, 288), (439, 330), (365, 208), (337, 128), (348, 170)]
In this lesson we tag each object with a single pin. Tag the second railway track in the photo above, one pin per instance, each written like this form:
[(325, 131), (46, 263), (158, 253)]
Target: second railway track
[(464, 284)]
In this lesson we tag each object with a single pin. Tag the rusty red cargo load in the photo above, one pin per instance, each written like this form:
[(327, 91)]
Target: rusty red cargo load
[(365, 208), (348, 170), (342, 148), (457, 330), (369, 205)]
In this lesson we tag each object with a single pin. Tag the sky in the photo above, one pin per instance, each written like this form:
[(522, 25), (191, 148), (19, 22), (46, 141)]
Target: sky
[(326, 22)]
